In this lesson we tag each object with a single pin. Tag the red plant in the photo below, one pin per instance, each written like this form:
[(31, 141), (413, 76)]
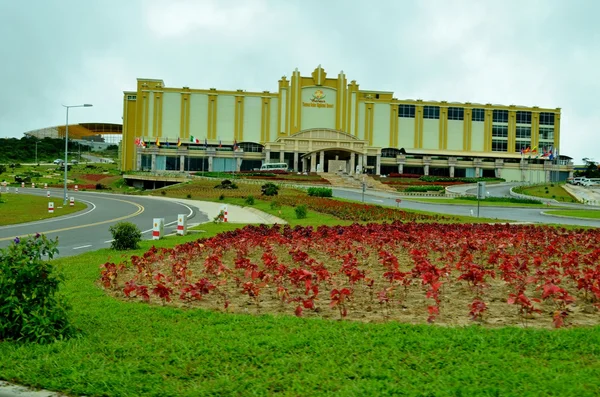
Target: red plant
[(339, 298)]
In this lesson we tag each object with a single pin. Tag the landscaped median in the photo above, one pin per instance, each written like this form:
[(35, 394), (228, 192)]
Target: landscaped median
[(585, 214), (327, 306), (21, 208)]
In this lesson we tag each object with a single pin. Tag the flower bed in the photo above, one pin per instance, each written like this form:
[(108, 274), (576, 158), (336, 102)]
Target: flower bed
[(408, 272)]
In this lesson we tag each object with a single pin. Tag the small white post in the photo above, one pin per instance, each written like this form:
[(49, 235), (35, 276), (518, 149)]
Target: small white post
[(181, 224), (158, 228), (50, 207), (71, 201), (48, 193)]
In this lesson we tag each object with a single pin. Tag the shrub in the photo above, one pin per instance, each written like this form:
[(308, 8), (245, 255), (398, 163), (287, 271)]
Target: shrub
[(226, 184), (249, 200), (125, 235), (269, 189), (100, 186), (430, 178), (222, 197), (300, 211), (189, 195), (275, 205), (2, 168), (320, 192), (164, 193), (30, 307)]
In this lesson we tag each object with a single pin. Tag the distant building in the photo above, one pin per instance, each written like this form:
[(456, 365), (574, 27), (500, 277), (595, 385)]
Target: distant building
[(324, 123)]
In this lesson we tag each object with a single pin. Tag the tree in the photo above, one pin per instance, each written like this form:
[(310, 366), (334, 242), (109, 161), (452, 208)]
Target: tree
[(591, 168)]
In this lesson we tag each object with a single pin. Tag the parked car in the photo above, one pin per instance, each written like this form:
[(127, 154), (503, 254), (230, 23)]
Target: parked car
[(74, 162), (59, 161), (577, 181)]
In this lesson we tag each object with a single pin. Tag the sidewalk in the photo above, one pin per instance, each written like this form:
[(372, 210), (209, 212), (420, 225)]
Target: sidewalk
[(235, 213)]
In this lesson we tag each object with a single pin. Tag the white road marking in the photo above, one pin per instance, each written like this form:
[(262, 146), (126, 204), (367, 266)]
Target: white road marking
[(379, 201), (109, 241), (83, 246)]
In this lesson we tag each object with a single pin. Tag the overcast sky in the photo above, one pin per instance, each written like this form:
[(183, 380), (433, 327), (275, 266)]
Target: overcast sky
[(535, 53)]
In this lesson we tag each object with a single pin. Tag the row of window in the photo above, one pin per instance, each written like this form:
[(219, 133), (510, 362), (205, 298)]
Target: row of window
[(477, 114), (501, 145)]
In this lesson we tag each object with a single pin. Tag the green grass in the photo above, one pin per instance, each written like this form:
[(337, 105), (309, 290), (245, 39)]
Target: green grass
[(21, 208), (483, 203), (591, 214), (133, 349), (555, 192)]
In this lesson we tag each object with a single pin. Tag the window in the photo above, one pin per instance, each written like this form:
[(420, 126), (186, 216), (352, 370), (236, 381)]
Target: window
[(523, 117), (251, 147), (500, 116), (478, 115), (523, 132), (406, 111), (499, 145), (131, 97), (431, 112), (546, 118), (547, 133), (456, 113), (499, 131), (390, 152), (522, 145)]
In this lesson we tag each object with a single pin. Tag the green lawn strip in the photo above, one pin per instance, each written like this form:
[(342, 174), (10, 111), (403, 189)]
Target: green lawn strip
[(21, 208), (132, 349), (555, 191), (483, 203), (592, 214)]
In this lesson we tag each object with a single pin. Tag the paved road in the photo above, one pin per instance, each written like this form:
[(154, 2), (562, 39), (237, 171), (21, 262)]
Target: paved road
[(533, 215), (88, 230)]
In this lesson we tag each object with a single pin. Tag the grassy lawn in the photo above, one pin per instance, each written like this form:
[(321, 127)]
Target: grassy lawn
[(592, 214), (133, 349), (20, 208), (555, 191), (458, 201)]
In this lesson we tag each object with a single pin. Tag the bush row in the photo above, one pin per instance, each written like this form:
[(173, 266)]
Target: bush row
[(320, 192), (424, 188), (430, 178)]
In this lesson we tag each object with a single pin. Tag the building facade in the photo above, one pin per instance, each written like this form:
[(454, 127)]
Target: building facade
[(321, 123)]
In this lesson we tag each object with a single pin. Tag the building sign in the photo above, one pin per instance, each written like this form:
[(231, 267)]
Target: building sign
[(318, 101)]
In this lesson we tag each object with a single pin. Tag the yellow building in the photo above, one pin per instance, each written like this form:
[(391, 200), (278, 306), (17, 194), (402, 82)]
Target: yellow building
[(325, 123)]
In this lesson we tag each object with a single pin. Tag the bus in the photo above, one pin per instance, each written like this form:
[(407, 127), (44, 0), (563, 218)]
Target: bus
[(274, 167)]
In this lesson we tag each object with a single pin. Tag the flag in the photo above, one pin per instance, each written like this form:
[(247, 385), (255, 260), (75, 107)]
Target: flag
[(167, 142), (527, 150), (193, 139), (157, 142), (220, 144), (137, 141), (178, 142), (235, 145), (205, 143), (534, 150)]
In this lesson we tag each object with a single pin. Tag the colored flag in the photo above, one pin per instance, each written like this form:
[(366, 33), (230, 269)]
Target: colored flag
[(220, 144), (534, 150), (167, 142), (192, 139), (235, 145), (137, 141), (205, 142), (178, 142), (157, 142)]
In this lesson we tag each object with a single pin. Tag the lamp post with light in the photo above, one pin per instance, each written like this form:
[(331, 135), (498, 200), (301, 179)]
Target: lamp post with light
[(85, 105)]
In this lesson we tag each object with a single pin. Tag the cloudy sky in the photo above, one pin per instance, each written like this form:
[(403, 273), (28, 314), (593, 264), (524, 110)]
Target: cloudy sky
[(528, 52)]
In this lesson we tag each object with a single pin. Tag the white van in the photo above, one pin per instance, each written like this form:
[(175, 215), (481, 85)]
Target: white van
[(274, 167), (587, 182)]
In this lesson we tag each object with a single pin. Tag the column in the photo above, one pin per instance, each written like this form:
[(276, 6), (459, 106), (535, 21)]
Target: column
[(451, 171), (181, 163), (304, 164), (426, 169), (313, 162), (401, 168), (138, 162), (378, 165), (477, 172), (267, 156), (295, 161), (322, 160), (281, 156), (210, 163), (364, 162), (238, 164), (153, 162), (352, 163), (360, 163)]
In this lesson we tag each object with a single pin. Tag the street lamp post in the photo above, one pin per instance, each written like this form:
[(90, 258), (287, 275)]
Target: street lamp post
[(85, 105)]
